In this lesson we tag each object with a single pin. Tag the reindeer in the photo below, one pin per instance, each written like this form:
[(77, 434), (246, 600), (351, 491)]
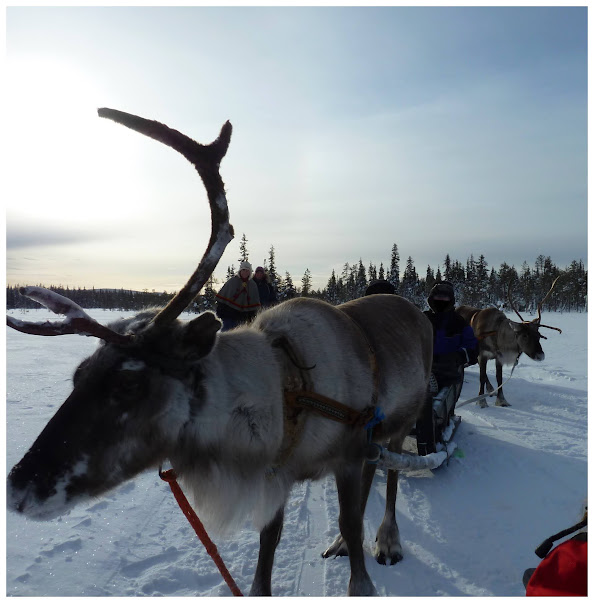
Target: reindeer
[(504, 340), (241, 415)]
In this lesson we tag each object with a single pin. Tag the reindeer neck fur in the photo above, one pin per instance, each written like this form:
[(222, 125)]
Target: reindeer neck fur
[(509, 350), (504, 346), (221, 455)]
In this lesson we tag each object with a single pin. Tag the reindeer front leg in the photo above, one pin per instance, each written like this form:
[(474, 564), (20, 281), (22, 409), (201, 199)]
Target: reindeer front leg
[(269, 539), (339, 548), (501, 401), (388, 549), (350, 522), (484, 380)]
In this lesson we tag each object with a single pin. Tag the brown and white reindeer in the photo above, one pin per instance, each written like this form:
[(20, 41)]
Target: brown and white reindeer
[(504, 340), (232, 412)]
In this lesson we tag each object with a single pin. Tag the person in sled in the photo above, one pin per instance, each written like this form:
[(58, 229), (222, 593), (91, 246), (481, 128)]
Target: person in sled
[(265, 289), (238, 300), (454, 348)]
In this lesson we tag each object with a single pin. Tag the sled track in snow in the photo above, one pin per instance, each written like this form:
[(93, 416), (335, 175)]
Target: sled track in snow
[(311, 575)]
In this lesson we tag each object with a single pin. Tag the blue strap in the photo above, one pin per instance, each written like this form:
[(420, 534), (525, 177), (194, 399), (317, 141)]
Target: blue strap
[(378, 417)]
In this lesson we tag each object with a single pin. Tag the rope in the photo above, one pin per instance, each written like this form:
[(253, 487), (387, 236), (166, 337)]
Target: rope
[(491, 393), (170, 477)]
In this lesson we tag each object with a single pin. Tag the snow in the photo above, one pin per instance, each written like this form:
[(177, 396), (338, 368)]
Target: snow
[(468, 528)]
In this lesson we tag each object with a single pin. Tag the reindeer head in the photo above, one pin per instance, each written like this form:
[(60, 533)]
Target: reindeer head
[(527, 332), (135, 394), (528, 339)]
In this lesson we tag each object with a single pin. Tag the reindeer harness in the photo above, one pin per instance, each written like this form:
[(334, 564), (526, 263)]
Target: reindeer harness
[(299, 397)]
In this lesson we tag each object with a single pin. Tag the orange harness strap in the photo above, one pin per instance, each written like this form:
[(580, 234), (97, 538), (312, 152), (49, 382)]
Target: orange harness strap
[(170, 477), (482, 335), (485, 335), (329, 408)]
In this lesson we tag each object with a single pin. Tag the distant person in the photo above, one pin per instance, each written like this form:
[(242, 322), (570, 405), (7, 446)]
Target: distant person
[(238, 300), (380, 286), (265, 289)]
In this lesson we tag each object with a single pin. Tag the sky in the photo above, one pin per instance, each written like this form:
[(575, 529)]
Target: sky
[(443, 130)]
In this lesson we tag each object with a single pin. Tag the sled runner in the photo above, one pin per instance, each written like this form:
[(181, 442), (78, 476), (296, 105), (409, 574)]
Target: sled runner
[(433, 432)]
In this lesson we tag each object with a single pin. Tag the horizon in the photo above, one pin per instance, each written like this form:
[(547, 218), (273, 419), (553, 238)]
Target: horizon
[(461, 129), (297, 278)]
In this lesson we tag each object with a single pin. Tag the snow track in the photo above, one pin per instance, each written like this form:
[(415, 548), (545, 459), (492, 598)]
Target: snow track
[(467, 529)]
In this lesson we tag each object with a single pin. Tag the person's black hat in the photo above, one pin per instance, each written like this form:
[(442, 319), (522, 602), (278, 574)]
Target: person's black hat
[(441, 297), (380, 286)]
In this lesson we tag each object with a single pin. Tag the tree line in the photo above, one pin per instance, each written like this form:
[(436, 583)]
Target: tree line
[(474, 282), (106, 299)]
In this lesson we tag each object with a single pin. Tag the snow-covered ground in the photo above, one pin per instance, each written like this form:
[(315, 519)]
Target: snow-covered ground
[(469, 528)]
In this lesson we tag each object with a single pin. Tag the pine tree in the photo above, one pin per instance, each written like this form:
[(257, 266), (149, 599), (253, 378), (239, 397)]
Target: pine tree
[(438, 277), (447, 268), (361, 282), (332, 289), (481, 280), (206, 301), (306, 283), (493, 299), (430, 280), (272, 276), (574, 284), (394, 273), (409, 279), (527, 287), (550, 273), (457, 278), (469, 291), (288, 288), (508, 279), (381, 274), (243, 250)]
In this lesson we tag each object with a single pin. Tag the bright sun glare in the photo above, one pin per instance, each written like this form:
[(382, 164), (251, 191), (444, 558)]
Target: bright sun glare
[(58, 148)]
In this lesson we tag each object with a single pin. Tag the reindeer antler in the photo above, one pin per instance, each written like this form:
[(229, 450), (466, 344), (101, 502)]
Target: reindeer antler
[(77, 321), (544, 299), (206, 160), (511, 303), (536, 320)]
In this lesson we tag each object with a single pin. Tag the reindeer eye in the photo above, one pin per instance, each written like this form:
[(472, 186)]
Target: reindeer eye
[(128, 386)]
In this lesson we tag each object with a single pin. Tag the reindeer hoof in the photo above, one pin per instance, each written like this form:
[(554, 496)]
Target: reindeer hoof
[(502, 403), (384, 559), (482, 403), (337, 549)]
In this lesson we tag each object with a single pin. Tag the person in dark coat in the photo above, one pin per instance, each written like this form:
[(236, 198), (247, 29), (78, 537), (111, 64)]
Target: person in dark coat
[(454, 347), (454, 343), (265, 289), (238, 300)]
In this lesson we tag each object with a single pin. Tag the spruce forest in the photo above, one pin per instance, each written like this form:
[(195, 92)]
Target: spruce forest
[(474, 282)]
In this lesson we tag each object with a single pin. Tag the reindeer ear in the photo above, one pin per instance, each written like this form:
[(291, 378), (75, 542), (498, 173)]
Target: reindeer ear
[(515, 325), (199, 336)]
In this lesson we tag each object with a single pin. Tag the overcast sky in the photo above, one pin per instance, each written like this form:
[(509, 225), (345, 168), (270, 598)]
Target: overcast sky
[(444, 130)]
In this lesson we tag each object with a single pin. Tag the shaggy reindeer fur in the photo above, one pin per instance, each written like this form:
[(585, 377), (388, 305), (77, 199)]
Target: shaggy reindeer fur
[(212, 403)]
